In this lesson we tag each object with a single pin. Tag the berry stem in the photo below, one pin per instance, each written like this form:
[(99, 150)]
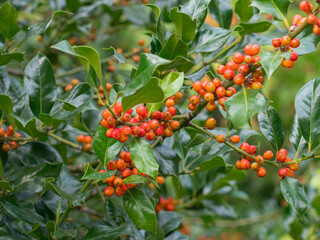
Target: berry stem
[(62, 140)]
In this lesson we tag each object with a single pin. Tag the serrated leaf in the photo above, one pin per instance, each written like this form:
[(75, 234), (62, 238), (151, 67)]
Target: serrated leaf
[(221, 11), (241, 106), (174, 47), (90, 173), (256, 27), (140, 209), (271, 127), (185, 26), (117, 55), (307, 104), (277, 8), (143, 158), (244, 10), (270, 61), (170, 85), (293, 192), (150, 93), (148, 63), (102, 232), (57, 232), (196, 9), (105, 148), (40, 84), (169, 221), (8, 20), (210, 39)]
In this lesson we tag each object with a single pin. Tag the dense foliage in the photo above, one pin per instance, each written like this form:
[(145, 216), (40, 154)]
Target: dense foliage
[(130, 119)]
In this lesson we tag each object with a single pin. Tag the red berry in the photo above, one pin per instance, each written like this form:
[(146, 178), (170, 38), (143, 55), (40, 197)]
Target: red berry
[(245, 164), (243, 69), (248, 59), (261, 172), (276, 42), (119, 191), (231, 66), (244, 146), (316, 30), (283, 172), (252, 149), (312, 19), (81, 138), (157, 115), (166, 116), (238, 165), (117, 181), (221, 92), (5, 147), (109, 191), (121, 165), (220, 138), (235, 139), (194, 100), (295, 43), (210, 87), (296, 19), (211, 106), (126, 130), (259, 159), (211, 123), (197, 86), (294, 56), (88, 139), (254, 166), (2, 132), (154, 124), (285, 40), (118, 107), (318, 22), (150, 135), (305, 6), (268, 155), (136, 130), (287, 63), (127, 158), (14, 145), (174, 125), (221, 69), (247, 50), (126, 173), (141, 110), (228, 74), (238, 58), (160, 180), (159, 131), (238, 79), (282, 155), (111, 165), (254, 50), (209, 97)]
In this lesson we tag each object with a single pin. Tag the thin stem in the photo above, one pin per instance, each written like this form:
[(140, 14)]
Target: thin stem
[(157, 141), (62, 140)]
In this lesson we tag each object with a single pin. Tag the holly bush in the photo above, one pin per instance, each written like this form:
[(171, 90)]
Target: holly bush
[(130, 119)]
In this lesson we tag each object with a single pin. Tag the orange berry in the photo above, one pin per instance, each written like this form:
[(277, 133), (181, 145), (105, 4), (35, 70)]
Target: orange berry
[(209, 97), (259, 159), (268, 155), (197, 86), (160, 180), (261, 172), (141, 42), (211, 123), (108, 191), (235, 139), (285, 40), (220, 138)]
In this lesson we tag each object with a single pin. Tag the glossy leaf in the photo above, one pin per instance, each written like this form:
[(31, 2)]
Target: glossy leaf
[(103, 232), (8, 57), (169, 221), (210, 164), (140, 209), (148, 63), (256, 27), (221, 11), (143, 158), (307, 104), (135, 179), (161, 29), (241, 106), (196, 9), (174, 47), (295, 136), (39, 28), (185, 26), (181, 64), (210, 39), (57, 232), (244, 10), (8, 20), (117, 55), (271, 60), (271, 127), (90, 173), (150, 93), (105, 148), (170, 85), (167, 159), (277, 8), (293, 192), (7, 107), (30, 128), (40, 84)]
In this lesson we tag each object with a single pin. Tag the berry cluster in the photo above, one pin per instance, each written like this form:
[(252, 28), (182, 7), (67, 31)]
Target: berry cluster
[(210, 91), (287, 44), (166, 204), (287, 170), (125, 168), (86, 140), (312, 19), (142, 124), (70, 86), (9, 133), (253, 81)]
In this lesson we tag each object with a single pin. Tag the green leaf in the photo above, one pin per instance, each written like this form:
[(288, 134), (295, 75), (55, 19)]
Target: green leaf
[(8, 57), (185, 27), (210, 164), (7, 107), (143, 158), (169, 221), (181, 64), (117, 55), (40, 84), (198, 139), (307, 104), (232, 174), (74, 198), (174, 47), (148, 63), (38, 232), (210, 39), (196, 9), (256, 27), (277, 8), (103, 232), (170, 85), (65, 115), (57, 232), (140, 209), (29, 128), (270, 61), (241, 106), (293, 192), (167, 159), (135, 179), (271, 127), (221, 11), (105, 148), (244, 10), (150, 93), (295, 133), (161, 30), (39, 28), (8, 20), (5, 185), (90, 173)]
